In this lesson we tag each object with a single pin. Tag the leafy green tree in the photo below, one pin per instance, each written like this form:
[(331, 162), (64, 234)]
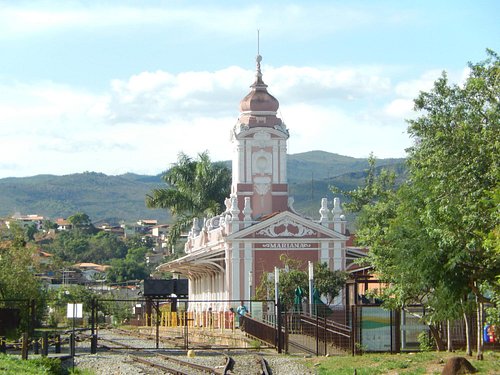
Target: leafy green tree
[(70, 246), (17, 272), (492, 243), (431, 239), (124, 270), (31, 230), (104, 246), (133, 267), (139, 241), (48, 224), (82, 221), (377, 187), (455, 161), (194, 188), (79, 246), (328, 283)]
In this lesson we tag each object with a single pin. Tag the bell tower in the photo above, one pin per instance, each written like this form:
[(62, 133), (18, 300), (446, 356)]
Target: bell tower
[(259, 160)]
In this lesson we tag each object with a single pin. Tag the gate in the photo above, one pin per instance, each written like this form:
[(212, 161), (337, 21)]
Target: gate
[(318, 335)]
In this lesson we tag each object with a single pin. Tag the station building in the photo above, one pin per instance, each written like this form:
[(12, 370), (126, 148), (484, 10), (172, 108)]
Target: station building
[(227, 255)]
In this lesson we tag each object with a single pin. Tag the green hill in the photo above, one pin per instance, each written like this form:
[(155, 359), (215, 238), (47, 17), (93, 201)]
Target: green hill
[(320, 165), (102, 197), (115, 198)]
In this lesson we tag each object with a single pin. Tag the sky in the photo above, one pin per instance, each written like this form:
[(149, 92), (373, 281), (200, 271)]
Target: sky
[(124, 86)]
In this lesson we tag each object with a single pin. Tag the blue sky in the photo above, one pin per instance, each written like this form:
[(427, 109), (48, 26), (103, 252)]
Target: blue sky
[(124, 86)]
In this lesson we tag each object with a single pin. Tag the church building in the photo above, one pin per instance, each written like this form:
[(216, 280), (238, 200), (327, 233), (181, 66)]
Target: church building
[(227, 255)]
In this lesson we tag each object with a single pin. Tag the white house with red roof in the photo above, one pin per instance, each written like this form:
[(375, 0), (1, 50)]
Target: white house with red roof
[(225, 253)]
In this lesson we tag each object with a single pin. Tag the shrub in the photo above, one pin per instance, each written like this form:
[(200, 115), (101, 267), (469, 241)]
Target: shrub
[(426, 343), (51, 365)]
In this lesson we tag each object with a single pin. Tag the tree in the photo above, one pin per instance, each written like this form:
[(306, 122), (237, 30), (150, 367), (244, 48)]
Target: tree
[(70, 246), (48, 224), (17, 273), (455, 163), (434, 240), (194, 188), (492, 243), (77, 245), (328, 283), (133, 267), (104, 246), (31, 230), (81, 221)]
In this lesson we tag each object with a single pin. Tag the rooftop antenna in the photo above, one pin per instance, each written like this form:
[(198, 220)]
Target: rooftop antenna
[(258, 42)]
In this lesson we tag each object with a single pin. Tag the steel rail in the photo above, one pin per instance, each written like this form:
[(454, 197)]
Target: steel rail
[(157, 365), (266, 370), (207, 369)]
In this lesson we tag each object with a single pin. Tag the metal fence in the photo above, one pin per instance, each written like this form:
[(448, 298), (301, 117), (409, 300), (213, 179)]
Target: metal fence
[(56, 327), (43, 327)]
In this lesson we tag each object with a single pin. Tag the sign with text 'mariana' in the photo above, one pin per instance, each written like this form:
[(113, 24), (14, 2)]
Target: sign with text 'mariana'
[(288, 245)]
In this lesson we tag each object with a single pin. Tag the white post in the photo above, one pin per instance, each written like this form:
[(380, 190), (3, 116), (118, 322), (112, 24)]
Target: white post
[(276, 284), (311, 286), (250, 282)]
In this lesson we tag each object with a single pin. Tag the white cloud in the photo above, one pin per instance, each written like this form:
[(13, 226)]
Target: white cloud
[(399, 108), (158, 96), (142, 123), (298, 83), (299, 21), (335, 130), (410, 89)]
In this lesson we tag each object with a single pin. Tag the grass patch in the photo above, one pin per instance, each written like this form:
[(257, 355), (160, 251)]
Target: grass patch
[(39, 366), (406, 363)]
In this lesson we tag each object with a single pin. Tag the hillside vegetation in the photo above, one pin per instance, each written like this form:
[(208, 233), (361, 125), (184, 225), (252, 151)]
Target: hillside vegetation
[(114, 198)]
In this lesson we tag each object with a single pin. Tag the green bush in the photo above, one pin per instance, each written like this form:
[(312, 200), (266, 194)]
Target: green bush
[(51, 365), (40, 366), (425, 342)]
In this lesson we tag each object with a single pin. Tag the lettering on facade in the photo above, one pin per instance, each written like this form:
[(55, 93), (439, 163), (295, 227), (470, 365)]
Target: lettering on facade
[(290, 245)]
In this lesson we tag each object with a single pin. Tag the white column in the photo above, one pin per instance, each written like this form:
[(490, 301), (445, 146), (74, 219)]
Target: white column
[(283, 177), (276, 164), (191, 291), (337, 256), (248, 267), (235, 266), (324, 252), (248, 166)]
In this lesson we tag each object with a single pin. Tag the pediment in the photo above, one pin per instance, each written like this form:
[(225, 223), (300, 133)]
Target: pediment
[(287, 225)]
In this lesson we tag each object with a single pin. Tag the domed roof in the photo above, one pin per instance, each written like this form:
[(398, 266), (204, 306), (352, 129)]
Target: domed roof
[(259, 100)]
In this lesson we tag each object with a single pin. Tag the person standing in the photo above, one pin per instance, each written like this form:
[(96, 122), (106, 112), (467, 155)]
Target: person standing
[(242, 311)]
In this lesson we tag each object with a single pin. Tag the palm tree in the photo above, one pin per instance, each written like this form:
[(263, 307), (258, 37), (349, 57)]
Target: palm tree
[(194, 188)]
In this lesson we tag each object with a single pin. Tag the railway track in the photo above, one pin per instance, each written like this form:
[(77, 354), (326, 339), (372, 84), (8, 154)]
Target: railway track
[(170, 342), (177, 368), (172, 365), (251, 364), (207, 362), (168, 364)]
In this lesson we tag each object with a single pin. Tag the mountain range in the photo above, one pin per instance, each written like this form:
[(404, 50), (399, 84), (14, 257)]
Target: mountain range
[(112, 199)]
